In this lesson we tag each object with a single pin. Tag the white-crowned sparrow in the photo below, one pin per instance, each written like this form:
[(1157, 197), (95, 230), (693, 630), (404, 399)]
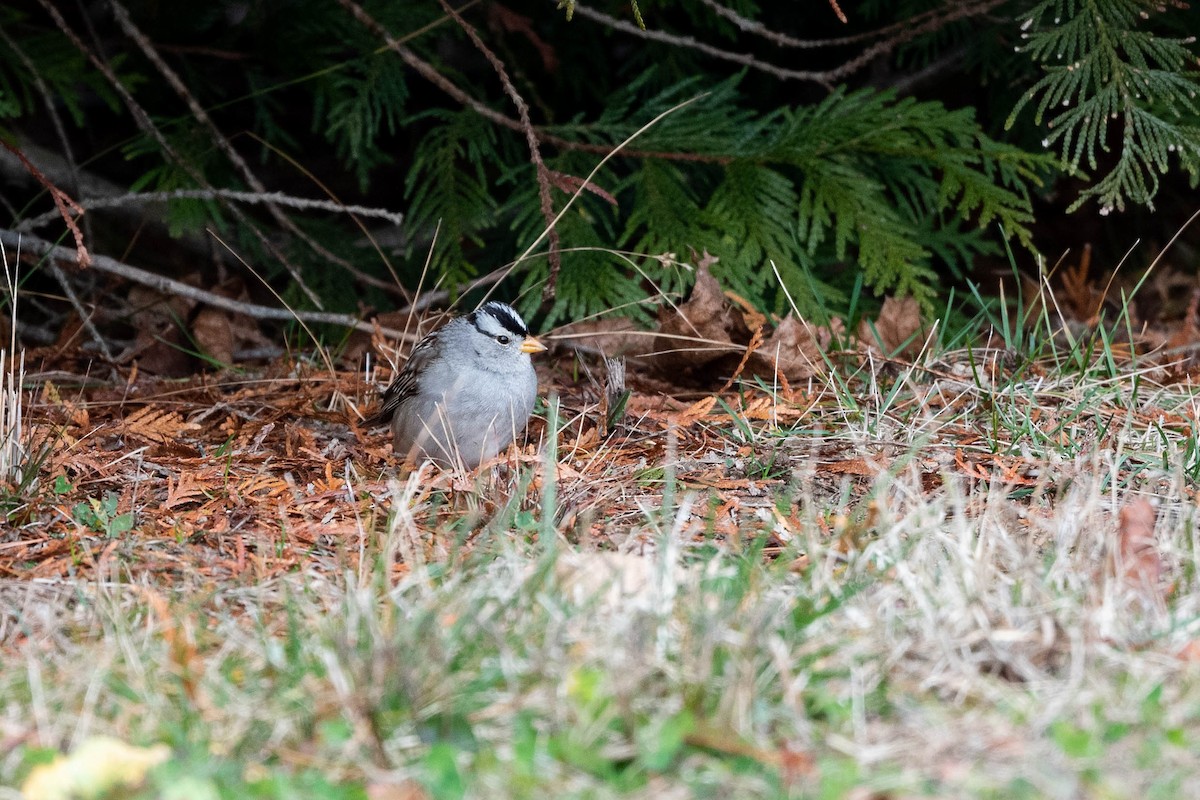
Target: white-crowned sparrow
[(467, 390)]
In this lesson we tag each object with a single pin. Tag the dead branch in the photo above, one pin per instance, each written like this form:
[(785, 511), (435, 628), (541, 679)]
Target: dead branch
[(892, 37), (60, 130), (222, 143), (430, 73), (26, 244), (250, 198), (63, 204), (531, 139)]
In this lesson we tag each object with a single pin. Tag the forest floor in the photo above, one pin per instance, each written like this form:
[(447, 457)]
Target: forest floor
[(968, 573)]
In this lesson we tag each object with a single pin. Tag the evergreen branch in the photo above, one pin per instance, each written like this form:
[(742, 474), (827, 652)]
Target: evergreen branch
[(1104, 69), (147, 125), (51, 111), (430, 73)]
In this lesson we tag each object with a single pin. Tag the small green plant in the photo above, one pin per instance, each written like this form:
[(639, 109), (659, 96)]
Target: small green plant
[(101, 516)]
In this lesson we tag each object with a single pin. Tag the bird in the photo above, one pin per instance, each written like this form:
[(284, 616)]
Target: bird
[(467, 389)]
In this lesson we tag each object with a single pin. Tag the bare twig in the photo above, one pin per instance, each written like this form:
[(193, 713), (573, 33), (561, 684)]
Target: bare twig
[(252, 198), (894, 36), (430, 73), (62, 202), (692, 43), (218, 138), (51, 103), (101, 194), (85, 317), (146, 124), (160, 283), (531, 139)]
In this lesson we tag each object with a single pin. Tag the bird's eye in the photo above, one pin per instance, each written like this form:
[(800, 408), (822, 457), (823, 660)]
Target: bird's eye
[(502, 339)]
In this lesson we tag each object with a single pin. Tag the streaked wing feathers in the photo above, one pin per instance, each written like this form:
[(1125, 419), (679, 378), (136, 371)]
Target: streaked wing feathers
[(405, 384)]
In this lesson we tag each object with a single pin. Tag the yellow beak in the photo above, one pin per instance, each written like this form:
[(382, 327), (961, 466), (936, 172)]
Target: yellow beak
[(532, 345)]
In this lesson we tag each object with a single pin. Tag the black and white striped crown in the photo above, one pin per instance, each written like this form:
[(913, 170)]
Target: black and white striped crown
[(494, 317)]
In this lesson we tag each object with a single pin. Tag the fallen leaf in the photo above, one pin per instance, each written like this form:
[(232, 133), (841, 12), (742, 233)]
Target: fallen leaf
[(1138, 562), (792, 349), (607, 336), (695, 411), (898, 330), (98, 768), (1190, 652), (698, 331), (156, 425), (213, 331)]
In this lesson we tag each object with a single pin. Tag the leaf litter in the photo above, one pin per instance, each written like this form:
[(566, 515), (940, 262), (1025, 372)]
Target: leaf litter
[(240, 479)]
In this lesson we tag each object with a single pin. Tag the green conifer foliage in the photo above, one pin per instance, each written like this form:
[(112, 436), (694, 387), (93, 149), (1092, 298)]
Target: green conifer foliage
[(799, 166), (1110, 85)]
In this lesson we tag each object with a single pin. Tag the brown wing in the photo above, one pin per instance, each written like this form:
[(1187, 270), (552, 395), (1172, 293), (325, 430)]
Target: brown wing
[(405, 384)]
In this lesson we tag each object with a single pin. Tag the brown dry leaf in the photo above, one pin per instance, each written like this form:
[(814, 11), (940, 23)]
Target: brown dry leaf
[(76, 413), (752, 317), (1190, 652), (1138, 563), (405, 790), (899, 325), (607, 336), (1187, 334), (851, 466), (706, 317), (159, 352), (762, 408), (152, 308), (158, 345), (186, 489), (157, 425), (299, 440), (213, 331), (1078, 297), (570, 184), (695, 411), (792, 349)]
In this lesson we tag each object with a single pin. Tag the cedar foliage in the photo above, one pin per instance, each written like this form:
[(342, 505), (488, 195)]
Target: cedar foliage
[(1101, 68), (819, 184)]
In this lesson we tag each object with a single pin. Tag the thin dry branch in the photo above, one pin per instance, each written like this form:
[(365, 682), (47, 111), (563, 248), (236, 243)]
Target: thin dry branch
[(222, 143), (52, 108), (430, 73), (43, 249), (63, 204), (251, 198), (896, 35), (691, 43), (531, 138), (85, 318), (146, 124)]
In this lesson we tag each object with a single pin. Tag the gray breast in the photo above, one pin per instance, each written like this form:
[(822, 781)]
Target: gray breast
[(469, 422)]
